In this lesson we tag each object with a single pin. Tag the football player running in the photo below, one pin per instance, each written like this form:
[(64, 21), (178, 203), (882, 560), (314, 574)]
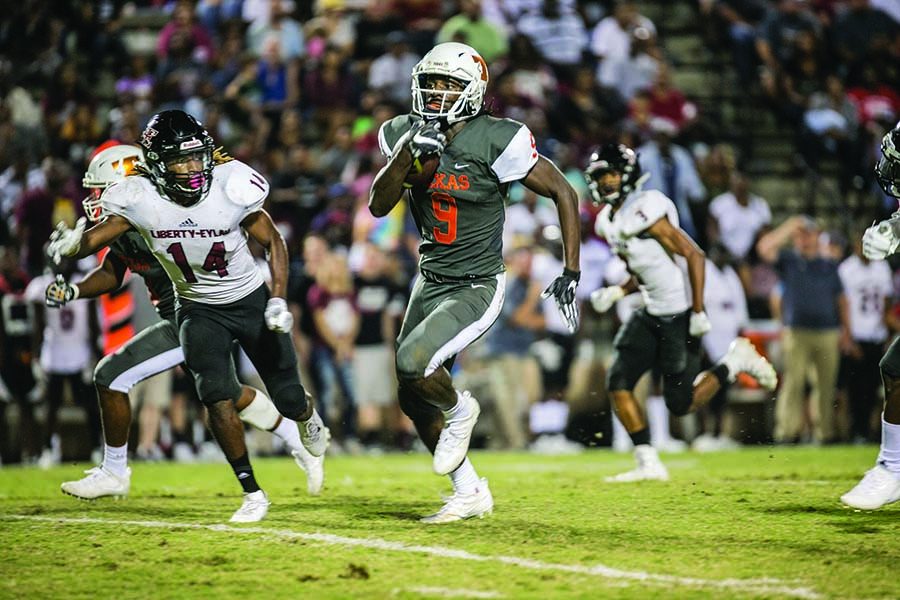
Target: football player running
[(152, 351), (459, 213), (642, 228), (195, 214), (881, 484)]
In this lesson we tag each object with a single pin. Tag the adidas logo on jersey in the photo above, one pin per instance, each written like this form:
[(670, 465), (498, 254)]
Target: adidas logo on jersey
[(187, 223)]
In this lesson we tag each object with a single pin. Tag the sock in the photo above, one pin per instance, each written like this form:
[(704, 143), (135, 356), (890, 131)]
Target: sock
[(115, 459), (640, 437), (458, 409), (721, 372), (658, 418), (464, 478), (244, 473), (287, 431), (889, 457)]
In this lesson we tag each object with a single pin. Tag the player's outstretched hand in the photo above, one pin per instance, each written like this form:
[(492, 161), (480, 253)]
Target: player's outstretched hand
[(699, 324), (60, 292), (426, 138), (604, 298), (563, 291), (65, 241), (278, 317), (879, 241)]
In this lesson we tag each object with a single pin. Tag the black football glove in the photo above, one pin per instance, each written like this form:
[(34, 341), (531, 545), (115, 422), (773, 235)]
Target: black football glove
[(60, 292), (563, 291)]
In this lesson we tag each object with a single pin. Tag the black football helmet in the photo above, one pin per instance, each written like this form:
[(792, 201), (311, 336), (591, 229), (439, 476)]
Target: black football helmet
[(612, 157), (172, 135), (887, 171)]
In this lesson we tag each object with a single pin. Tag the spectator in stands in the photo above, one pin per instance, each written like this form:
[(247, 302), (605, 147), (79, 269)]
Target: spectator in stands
[(526, 219), (638, 70), (612, 37), (514, 373), (16, 371), (869, 289), (586, 112), (377, 21), (667, 102), (864, 34), (739, 19), (672, 171), (831, 129), (531, 78), (39, 210), (281, 26), (469, 27), (816, 324), (190, 33), (379, 302), (336, 323), (389, 73), (738, 217), (558, 34)]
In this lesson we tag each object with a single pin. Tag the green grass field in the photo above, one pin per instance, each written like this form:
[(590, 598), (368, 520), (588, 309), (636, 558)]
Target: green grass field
[(764, 522)]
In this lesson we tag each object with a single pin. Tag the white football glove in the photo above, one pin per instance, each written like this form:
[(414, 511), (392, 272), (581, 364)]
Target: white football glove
[(699, 324), (879, 241), (65, 241), (427, 139), (278, 317), (604, 298), (60, 292)]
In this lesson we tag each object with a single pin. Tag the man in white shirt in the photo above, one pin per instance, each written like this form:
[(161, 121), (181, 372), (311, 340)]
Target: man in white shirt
[(612, 37), (738, 217), (389, 72)]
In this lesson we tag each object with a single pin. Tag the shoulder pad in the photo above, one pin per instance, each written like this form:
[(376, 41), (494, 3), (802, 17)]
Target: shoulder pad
[(648, 208), (243, 185), (121, 197), (391, 131)]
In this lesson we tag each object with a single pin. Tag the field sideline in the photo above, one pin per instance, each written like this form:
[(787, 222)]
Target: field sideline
[(763, 522)]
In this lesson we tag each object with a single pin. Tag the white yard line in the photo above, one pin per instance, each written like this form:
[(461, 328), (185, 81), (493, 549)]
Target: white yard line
[(765, 585), (427, 590)]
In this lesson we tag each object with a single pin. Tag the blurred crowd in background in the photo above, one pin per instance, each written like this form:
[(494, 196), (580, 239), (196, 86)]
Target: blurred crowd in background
[(299, 89)]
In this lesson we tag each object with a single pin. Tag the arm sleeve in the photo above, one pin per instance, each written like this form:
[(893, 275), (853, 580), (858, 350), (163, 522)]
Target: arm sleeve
[(517, 159)]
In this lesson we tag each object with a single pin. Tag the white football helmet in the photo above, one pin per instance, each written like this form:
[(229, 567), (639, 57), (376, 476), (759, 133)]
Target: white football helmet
[(456, 61), (107, 167)]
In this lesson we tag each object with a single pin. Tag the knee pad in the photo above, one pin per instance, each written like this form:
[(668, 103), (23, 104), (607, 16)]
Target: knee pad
[(291, 401), (678, 392), (103, 375), (890, 365), (261, 412)]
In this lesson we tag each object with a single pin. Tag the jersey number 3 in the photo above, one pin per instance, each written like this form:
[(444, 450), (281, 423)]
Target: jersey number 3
[(444, 207), (215, 260)]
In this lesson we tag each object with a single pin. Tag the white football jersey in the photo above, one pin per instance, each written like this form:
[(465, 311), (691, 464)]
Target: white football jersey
[(661, 278), (66, 346), (202, 247), (867, 288)]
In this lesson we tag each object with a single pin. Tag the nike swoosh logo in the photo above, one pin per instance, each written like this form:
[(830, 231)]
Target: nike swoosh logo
[(478, 285), (459, 166)]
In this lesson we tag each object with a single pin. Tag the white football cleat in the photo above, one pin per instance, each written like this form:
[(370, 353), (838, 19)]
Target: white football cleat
[(877, 488), (314, 434), (314, 467), (479, 504), (742, 357), (453, 444), (98, 483), (255, 506), (649, 467)]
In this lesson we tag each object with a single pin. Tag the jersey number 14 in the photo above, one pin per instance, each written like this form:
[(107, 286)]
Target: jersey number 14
[(215, 261)]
